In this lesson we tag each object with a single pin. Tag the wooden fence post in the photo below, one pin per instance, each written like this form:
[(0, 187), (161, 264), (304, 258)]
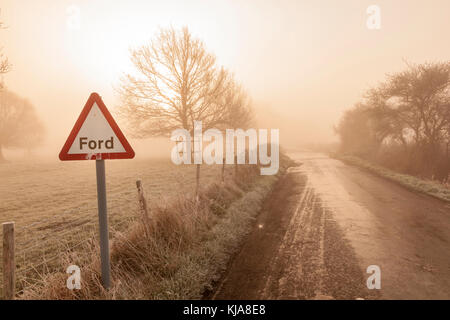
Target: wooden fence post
[(9, 265), (223, 169), (142, 201), (197, 180)]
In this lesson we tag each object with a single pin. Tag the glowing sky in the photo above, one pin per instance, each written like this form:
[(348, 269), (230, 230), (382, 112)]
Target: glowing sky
[(306, 61)]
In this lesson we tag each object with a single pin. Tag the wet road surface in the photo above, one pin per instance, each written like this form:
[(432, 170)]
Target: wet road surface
[(326, 222)]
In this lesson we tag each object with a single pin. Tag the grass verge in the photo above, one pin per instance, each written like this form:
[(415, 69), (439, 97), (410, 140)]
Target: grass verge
[(432, 188), (177, 255)]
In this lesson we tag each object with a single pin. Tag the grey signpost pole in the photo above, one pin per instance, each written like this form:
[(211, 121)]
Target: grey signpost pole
[(88, 146), (103, 222)]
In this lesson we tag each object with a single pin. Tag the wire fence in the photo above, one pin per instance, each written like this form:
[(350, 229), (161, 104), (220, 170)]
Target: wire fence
[(41, 245)]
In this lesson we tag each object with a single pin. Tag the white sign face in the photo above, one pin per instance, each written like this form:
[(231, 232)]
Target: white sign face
[(96, 136)]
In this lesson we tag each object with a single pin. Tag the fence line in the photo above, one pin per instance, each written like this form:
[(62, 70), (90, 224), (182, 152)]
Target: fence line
[(53, 258), (51, 218), (68, 223), (66, 214), (72, 226), (53, 231), (26, 248)]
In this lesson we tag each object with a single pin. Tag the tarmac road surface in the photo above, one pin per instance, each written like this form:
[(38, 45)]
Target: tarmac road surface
[(326, 222)]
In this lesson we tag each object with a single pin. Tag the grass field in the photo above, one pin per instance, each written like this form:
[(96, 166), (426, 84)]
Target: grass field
[(54, 204)]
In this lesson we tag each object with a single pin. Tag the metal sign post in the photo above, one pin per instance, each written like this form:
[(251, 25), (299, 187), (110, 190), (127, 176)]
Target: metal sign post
[(103, 222), (96, 136)]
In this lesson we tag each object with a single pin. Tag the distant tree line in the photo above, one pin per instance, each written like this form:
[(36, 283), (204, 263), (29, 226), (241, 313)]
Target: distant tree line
[(404, 122), (20, 126)]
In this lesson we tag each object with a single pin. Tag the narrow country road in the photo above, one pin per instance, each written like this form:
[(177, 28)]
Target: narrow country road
[(326, 222)]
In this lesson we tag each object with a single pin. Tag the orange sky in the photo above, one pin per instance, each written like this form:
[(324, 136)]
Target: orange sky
[(305, 60)]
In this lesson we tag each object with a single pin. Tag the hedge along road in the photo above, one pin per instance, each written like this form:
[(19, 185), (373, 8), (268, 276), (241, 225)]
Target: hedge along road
[(326, 222)]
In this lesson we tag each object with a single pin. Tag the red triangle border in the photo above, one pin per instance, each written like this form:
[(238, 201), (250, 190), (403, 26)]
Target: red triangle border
[(95, 98)]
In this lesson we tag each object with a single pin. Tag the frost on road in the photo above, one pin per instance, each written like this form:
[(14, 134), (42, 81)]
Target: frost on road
[(326, 222)]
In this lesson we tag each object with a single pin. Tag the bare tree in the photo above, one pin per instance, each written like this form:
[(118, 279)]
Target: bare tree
[(238, 106), (5, 66), (421, 96), (411, 108), (176, 82), (20, 126)]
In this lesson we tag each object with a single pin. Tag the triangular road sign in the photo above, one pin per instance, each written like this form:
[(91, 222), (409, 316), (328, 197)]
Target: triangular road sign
[(96, 136)]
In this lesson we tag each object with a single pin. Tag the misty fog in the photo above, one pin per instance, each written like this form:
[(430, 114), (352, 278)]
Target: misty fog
[(303, 62)]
